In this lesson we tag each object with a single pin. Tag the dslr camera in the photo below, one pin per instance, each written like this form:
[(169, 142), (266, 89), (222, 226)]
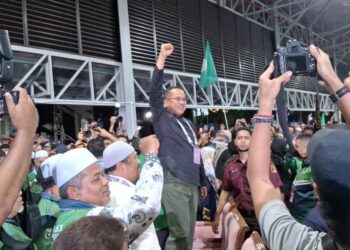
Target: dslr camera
[(6, 71), (295, 58), (98, 124)]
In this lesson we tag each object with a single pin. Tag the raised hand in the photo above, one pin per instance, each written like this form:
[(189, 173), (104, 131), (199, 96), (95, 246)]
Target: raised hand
[(166, 49), (149, 144), (24, 116), (325, 68), (269, 88), (113, 119)]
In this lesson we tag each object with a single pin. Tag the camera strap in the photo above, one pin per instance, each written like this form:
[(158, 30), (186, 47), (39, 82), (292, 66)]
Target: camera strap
[(33, 226), (282, 111), (317, 125), (283, 115)]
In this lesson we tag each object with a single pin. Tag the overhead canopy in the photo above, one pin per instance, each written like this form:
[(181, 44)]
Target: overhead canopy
[(323, 22)]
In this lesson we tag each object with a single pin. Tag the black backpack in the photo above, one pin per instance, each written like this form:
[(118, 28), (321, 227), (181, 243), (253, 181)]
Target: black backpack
[(32, 224)]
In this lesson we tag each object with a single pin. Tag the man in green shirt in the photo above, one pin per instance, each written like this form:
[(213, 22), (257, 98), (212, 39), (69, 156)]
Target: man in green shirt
[(302, 197), (48, 205)]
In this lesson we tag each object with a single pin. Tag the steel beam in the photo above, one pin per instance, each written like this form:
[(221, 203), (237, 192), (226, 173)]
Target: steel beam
[(126, 90), (229, 93)]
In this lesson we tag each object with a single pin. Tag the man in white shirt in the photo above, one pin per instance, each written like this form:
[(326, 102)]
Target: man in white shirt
[(84, 190), (122, 167)]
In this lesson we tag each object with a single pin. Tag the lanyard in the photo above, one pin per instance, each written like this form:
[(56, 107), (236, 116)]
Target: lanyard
[(185, 132)]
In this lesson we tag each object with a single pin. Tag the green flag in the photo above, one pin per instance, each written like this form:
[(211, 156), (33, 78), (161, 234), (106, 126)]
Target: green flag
[(323, 120), (208, 73)]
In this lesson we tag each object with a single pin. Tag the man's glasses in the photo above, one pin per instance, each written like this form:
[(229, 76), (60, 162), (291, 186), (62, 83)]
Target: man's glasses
[(178, 99)]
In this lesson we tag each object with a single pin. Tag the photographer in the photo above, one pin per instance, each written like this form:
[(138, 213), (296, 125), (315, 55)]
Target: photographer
[(328, 154), (116, 123), (240, 123), (14, 168), (87, 132), (92, 131)]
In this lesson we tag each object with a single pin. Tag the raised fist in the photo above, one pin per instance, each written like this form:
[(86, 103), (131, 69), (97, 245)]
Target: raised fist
[(149, 144), (166, 49), (113, 119)]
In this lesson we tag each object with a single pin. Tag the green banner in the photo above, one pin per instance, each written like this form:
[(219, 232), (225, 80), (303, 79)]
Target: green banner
[(208, 73)]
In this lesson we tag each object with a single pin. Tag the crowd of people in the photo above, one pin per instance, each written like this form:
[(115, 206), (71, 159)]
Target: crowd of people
[(107, 191)]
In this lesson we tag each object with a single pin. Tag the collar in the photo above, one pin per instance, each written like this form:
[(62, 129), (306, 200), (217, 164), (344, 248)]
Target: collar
[(172, 114), (121, 180), (11, 221), (239, 161), (67, 204), (48, 196)]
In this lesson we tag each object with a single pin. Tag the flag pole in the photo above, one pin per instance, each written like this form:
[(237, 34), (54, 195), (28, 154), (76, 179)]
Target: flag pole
[(227, 128)]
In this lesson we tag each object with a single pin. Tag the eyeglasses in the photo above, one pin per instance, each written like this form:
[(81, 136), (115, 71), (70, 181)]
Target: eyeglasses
[(178, 99)]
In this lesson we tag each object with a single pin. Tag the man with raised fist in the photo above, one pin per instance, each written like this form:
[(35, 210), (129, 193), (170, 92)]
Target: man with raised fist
[(179, 156)]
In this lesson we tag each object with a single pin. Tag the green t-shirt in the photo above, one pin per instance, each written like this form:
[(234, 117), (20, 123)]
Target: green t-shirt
[(48, 207), (66, 218), (303, 171), (31, 177), (49, 211), (302, 197), (17, 235), (36, 188)]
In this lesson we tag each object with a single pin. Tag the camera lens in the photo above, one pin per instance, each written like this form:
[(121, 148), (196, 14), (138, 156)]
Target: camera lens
[(87, 134), (294, 48)]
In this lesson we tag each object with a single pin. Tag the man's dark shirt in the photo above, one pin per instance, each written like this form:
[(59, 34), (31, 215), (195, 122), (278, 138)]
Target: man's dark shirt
[(175, 151), (236, 182)]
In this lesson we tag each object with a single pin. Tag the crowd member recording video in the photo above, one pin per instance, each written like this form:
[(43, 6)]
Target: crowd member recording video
[(24, 117), (117, 125), (328, 153)]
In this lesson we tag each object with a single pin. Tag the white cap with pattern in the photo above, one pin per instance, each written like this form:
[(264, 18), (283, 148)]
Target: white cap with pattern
[(115, 153)]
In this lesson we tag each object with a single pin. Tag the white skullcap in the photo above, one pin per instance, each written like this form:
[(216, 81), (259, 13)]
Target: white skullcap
[(49, 164), (115, 153), (41, 153), (72, 163)]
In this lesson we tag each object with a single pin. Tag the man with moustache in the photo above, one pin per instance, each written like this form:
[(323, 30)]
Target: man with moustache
[(235, 183), (179, 155), (84, 190), (122, 167)]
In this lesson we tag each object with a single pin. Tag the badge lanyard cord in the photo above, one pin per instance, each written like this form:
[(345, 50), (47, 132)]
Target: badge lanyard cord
[(185, 132)]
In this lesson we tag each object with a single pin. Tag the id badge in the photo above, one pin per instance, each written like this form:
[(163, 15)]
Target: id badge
[(197, 156)]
